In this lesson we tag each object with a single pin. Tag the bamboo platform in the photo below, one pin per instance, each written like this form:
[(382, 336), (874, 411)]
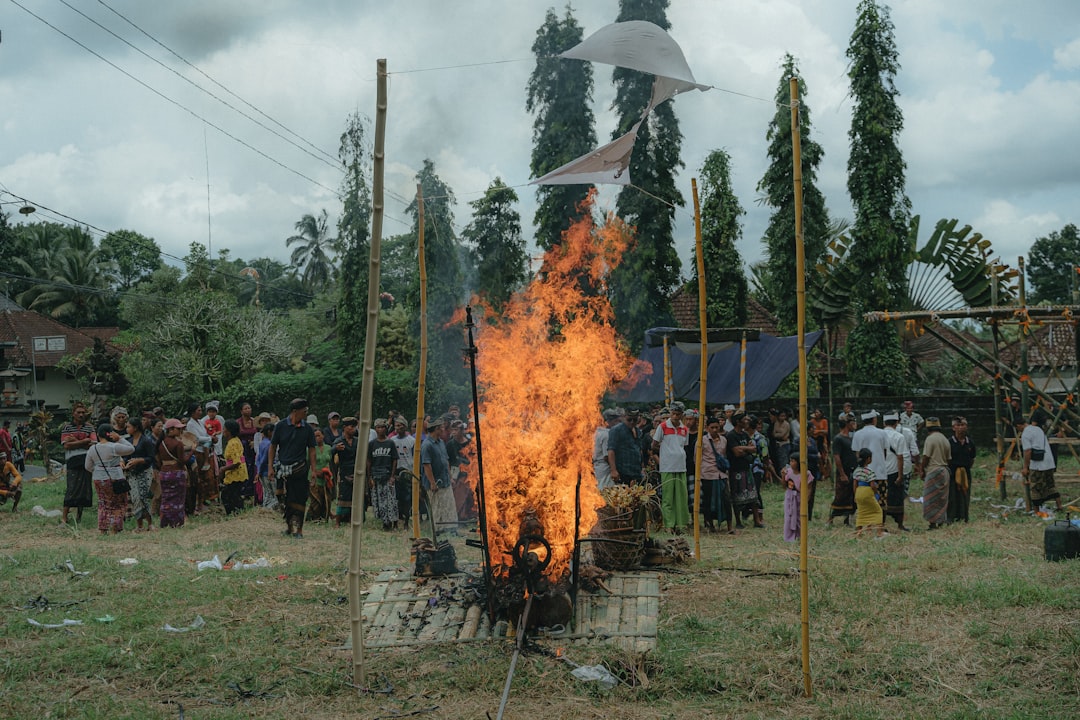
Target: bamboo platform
[(399, 612)]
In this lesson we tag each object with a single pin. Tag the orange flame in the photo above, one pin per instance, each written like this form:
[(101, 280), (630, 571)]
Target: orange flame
[(544, 367)]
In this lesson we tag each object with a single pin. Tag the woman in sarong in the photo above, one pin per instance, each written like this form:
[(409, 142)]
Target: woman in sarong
[(172, 457), (742, 453), (248, 431), (868, 513), (103, 461), (139, 468), (1039, 462), (935, 459)]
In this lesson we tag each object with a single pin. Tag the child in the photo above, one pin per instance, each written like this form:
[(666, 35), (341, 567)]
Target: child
[(793, 482), (234, 470), (868, 513), (263, 492)]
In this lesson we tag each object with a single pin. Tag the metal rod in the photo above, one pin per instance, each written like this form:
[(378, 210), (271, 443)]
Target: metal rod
[(514, 659), (575, 569), (481, 495)]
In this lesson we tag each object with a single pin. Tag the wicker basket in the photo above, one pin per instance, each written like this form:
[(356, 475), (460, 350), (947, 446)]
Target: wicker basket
[(617, 545)]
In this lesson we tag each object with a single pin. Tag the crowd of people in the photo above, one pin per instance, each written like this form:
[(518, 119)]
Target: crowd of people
[(874, 456), (171, 468)]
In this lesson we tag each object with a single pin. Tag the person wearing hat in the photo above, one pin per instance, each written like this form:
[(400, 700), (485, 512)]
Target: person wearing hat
[(601, 468), (332, 431), (406, 446), (344, 459), (435, 464), (895, 464), (381, 473), (873, 438), (742, 455), (960, 464), (171, 458), (1039, 462), (936, 454), (729, 411), (10, 482), (669, 441), (292, 465)]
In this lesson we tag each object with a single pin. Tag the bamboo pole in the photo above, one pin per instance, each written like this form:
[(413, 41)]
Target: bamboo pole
[(668, 395), (999, 426), (367, 387), (421, 386), (742, 374), (800, 295), (1025, 397), (703, 323)]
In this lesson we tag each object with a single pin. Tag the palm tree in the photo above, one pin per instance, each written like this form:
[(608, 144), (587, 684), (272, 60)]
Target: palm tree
[(313, 251), (76, 290)]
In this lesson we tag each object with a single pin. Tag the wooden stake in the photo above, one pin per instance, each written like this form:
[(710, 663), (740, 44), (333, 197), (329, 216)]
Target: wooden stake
[(800, 296), (418, 470), (367, 388), (703, 323)]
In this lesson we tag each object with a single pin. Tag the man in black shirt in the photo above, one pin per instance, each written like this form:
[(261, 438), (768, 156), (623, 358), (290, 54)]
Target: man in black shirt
[(345, 458), (844, 460), (292, 464)]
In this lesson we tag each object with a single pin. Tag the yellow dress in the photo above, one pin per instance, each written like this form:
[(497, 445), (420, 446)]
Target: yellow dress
[(867, 509)]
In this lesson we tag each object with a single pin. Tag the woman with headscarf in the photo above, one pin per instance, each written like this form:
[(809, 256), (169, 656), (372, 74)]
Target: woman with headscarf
[(171, 459), (1039, 464), (935, 462), (103, 462), (960, 464), (139, 468), (868, 513)]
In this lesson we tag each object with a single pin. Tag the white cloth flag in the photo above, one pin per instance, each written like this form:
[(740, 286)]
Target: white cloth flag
[(608, 165), (639, 45)]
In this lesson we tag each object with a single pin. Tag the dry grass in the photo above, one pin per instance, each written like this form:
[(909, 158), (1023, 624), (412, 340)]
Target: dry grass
[(965, 622)]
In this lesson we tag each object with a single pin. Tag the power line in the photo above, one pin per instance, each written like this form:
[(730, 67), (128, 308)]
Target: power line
[(103, 233), (178, 104), (205, 75), (195, 85)]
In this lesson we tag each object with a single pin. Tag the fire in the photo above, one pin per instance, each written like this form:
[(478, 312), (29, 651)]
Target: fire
[(544, 366)]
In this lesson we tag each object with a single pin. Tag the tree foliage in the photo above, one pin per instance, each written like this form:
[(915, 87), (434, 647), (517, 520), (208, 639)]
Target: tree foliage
[(642, 285), (134, 255), (777, 276), (875, 363), (497, 244), (313, 251), (447, 379), (725, 283), (559, 94), (1053, 266), (876, 166), (354, 235)]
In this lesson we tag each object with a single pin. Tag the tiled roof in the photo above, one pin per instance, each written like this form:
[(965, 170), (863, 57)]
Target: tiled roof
[(22, 326), (1050, 345), (684, 306)]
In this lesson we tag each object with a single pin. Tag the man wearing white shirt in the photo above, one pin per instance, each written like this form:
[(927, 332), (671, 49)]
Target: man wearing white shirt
[(871, 437), (895, 465)]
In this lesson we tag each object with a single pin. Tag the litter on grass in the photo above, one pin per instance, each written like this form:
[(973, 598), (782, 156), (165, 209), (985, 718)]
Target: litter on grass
[(70, 567), (106, 619), (39, 511), (597, 674), (212, 564), (52, 626), (195, 625), (129, 561)]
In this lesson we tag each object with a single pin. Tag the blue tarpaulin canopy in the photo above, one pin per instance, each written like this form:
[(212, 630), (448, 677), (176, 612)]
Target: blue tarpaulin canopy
[(768, 361)]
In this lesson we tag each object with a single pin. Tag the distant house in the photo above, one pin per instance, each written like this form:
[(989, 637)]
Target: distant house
[(1052, 351), (31, 348)]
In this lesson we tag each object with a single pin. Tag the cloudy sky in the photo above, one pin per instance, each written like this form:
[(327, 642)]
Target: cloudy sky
[(98, 131)]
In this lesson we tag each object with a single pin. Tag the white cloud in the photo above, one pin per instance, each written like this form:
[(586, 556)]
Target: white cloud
[(1068, 57)]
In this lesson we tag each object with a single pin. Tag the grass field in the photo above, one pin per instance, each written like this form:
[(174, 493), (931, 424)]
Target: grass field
[(964, 622)]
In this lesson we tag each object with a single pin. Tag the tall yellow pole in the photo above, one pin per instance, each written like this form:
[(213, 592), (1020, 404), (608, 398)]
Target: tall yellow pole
[(418, 470), (742, 374), (668, 395), (703, 323), (800, 297), (367, 387)]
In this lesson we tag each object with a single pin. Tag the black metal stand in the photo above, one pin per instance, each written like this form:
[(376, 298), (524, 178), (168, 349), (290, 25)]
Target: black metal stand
[(481, 497)]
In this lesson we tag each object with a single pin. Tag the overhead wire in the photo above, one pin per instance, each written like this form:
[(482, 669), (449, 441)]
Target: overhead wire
[(324, 156), (178, 104)]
